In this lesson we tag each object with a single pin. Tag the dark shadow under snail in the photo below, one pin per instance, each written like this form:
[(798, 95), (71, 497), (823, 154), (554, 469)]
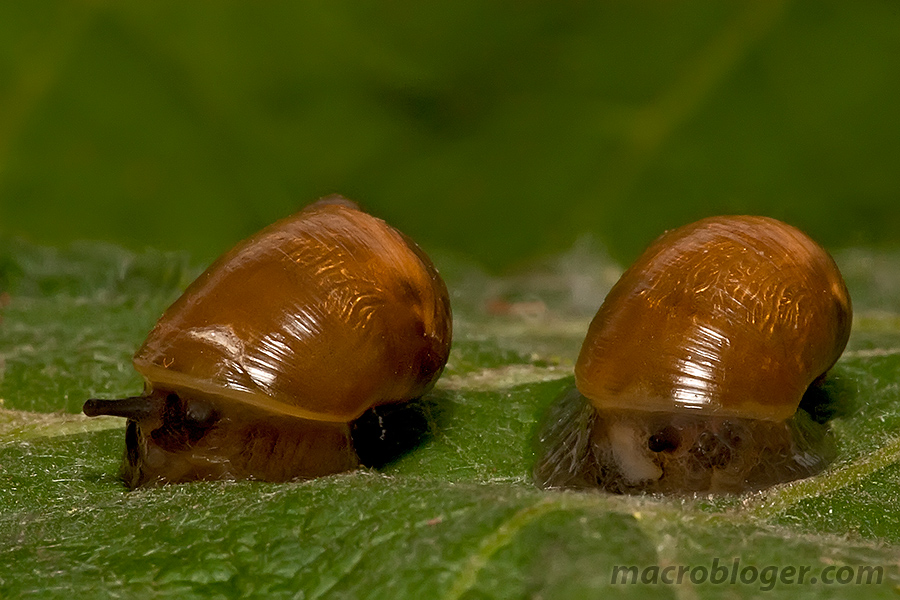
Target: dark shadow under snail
[(693, 369), (265, 365)]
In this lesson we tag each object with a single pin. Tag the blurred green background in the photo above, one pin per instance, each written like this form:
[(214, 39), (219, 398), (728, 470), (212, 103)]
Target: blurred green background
[(498, 130)]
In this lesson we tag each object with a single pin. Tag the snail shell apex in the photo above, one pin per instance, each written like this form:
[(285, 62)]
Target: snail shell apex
[(321, 316), (732, 316)]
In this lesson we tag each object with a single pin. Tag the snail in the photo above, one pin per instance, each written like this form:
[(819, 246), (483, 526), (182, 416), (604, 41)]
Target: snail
[(693, 369), (261, 368)]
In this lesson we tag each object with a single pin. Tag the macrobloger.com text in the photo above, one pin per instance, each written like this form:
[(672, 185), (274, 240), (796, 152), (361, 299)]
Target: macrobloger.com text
[(732, 572)]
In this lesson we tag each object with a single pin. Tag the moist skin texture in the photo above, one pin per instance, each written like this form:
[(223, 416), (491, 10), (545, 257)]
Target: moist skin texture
[(262, 368), (179, 439), (675, 452), (693, 369)]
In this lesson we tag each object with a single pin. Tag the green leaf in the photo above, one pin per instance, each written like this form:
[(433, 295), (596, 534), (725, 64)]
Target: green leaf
[(496, 133), (457, 516)]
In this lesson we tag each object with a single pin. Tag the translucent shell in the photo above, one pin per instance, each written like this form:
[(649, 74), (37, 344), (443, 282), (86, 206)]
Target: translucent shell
[(262, 368), (693, 369), (732, 316), (321, 315)]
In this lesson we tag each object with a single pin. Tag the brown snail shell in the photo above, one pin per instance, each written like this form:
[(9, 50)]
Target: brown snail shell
[(259, 368), (692, 370)]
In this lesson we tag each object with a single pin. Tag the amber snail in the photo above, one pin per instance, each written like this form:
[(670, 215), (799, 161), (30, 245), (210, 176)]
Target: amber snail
[(264, 363), (692, 371)]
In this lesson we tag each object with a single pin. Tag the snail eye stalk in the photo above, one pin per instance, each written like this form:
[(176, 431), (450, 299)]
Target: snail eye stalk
[(260, 369)]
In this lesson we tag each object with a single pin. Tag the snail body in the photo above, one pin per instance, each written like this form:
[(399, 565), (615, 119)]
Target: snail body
[(692, 371), (260, 368)]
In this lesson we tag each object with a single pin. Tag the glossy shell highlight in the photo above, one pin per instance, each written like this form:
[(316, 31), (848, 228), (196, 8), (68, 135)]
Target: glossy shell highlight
[(693, 369), (733, 316), (321, 316), (264, 366)]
